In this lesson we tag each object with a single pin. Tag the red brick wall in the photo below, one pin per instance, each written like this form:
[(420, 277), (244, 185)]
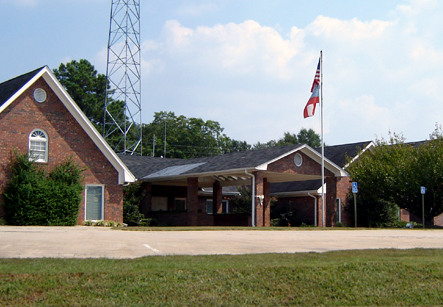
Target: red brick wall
[(65, 138), (286, 165), (343, 189), (304, 205)]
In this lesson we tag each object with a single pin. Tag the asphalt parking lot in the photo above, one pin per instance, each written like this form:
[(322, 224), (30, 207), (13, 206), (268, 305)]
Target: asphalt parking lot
[(101, 242)]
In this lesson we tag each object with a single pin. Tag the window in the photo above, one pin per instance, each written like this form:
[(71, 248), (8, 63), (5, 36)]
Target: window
[(94, 202), (225, 206), (180, 204), (38, 146)]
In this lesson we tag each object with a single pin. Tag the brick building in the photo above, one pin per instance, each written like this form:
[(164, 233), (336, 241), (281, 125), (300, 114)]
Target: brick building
[(38, 117), (174, 188), (303, 198)]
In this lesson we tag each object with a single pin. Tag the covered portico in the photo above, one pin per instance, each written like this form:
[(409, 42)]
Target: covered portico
[(257, 168)]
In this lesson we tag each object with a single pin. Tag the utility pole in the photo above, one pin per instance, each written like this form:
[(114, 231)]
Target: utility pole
[(153, 145)]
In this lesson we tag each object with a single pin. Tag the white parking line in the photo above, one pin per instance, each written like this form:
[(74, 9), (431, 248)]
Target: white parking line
[(151, 248)]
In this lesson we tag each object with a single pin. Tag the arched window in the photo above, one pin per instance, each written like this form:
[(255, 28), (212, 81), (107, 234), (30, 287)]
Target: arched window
[(38, 146)]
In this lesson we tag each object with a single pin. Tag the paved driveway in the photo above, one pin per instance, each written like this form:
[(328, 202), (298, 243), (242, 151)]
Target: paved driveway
[(95, 242)]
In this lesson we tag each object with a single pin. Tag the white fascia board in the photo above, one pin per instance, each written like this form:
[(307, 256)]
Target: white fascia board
[(370, 146), (314, 155), (319, 189), (204, 174), (124, 175), (264, 166)]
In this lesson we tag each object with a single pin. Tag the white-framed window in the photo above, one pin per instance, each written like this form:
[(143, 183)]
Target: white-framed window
[(225, 206), (180, 204), (38, 146), (94, 202)]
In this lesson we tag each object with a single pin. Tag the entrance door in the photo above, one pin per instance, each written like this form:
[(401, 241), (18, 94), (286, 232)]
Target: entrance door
[(94, 202)]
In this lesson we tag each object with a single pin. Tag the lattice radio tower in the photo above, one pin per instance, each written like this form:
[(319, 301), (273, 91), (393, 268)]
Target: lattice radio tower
[(122, 113)]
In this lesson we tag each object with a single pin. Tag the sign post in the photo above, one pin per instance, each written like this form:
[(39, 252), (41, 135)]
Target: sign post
[(423, 192), (355, 191)]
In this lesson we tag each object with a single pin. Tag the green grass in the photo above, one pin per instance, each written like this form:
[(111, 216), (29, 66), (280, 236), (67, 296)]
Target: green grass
[(347, 278)]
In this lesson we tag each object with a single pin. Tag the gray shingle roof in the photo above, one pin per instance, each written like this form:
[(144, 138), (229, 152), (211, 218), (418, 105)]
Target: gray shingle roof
[(10, 87), (339, 153), (144, 166)]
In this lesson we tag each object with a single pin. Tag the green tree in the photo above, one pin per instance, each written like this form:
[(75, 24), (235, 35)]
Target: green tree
[(85, 86), (185, 137), (88, 89), (426, 170), (236, 146), (390, 176), (309, 137), (305, 136)]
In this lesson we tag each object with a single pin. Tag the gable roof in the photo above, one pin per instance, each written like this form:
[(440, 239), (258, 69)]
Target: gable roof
[(12, 89), (338, 154)]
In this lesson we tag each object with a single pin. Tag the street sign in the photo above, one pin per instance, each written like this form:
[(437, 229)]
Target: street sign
[(354, 187), (423, 190)]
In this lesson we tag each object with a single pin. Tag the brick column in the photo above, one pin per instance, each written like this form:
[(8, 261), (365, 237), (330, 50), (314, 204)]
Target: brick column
[(259, 205), (266, 203), (192, 201), (330, 198), (146, 202), (217, 197)]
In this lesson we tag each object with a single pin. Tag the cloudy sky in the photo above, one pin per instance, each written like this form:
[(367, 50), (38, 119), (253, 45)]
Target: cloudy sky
[(249, 64)]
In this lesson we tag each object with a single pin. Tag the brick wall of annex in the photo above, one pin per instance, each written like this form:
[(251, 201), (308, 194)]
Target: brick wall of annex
[(286, 165), (66, 138)]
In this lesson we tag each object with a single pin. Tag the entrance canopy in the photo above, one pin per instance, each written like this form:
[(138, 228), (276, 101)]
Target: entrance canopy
[(278, 164)]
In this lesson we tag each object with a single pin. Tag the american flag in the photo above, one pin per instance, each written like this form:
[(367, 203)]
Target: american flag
[(317, 77)]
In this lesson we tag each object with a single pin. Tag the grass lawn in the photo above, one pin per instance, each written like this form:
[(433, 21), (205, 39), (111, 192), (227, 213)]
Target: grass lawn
[(347, 278)]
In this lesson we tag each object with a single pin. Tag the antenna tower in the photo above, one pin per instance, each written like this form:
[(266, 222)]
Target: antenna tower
[(122, 113)]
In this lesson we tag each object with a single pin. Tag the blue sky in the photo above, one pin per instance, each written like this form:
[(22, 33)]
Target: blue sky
[(249, 64)]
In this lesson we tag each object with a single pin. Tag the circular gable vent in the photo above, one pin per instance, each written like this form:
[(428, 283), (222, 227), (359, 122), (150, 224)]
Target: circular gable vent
[(40, 95), (298, 160)]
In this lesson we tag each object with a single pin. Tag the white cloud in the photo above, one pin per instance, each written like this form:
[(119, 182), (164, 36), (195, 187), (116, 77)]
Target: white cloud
[(239, 49), (348, 30), (379, 75)]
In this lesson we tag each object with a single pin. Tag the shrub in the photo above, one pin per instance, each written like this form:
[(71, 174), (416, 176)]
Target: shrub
[(33, 197), (132, 196), (275, 222)]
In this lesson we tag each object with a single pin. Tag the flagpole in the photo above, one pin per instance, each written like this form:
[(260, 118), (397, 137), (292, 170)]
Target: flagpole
[(323, 209)]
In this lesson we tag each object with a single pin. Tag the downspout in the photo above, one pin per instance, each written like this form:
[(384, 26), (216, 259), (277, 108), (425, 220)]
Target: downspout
[(253, 197), (315, 208)]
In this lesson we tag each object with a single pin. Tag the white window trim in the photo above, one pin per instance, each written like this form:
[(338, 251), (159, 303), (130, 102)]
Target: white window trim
[(103, 200), (37, 139)]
